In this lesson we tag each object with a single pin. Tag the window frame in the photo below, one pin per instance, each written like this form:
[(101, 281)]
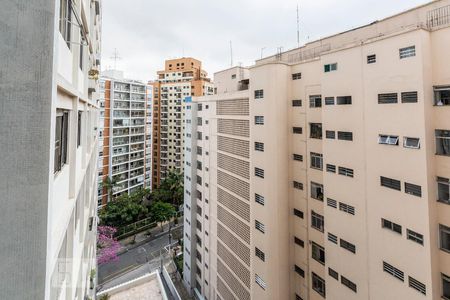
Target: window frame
[(405, 52), (405, 142)]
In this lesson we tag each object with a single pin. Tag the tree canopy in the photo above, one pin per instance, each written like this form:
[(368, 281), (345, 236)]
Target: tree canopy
[(124, 210)]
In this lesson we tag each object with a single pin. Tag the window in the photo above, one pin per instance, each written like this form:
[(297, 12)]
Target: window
[(259, 199), (316, 191), (371, 59), (199, 180), (346, 208), (297, 157), (299, 271), (299, 242), (317, 221), (443, 190), (296, 76), (259, 120), (332, 238), (61, 138), (233, 76), (333, 273), (65, 20), (388, 139), (343, 100), (316, 161), (345, 171), (417, 285), (345, 136), (296, 103), (259, 172), (260, 282), (81, 57), (199, 150), (442, 142), (387, 98), (413, 189), (318, 284), (298, 185), (297, 297), (331, 202), (390, 183), (393, 271), (259, 94), (444, 237), (297, 130), (315, 130), (441, 95), (330, 134), (347, 245), (445, 286), (318, 253), (260, 254), (298, 213), (414, 236), (199, 135), (391, 226), (409, 97), (409, 142), (331, 168), (348, 283), (259, 226), (199, 121), (407, 52), (315, 101), (259, 146), (330, 67), (79, 129), (329, 100)]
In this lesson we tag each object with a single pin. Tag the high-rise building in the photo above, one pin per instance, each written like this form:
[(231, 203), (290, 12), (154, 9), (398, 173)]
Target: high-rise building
[(182, 78), (49, 57), (125, 135), (329, 177)]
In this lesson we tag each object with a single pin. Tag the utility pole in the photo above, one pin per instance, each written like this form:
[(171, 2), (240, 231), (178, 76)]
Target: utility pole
[(115, 57)]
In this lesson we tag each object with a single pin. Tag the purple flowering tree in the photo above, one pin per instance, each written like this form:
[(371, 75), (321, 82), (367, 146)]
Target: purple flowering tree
[(107, 245)]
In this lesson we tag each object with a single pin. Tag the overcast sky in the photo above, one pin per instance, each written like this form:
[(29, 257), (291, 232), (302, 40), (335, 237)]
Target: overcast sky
[(146, 32)]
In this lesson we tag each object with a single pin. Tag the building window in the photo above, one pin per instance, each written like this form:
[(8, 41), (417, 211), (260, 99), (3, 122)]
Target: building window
[(409, 97), (409, 142), (299, 242), (199, 180), (298, 185), (296, 103), (329, 100), (259, 94), (391, 226), (371, 59), (316, 161), (299, 271), (347, 246), (315, 101), (333, 273), (387, 98), (393, 271), (296, 76), (316, 191), (407, 52), (259, 172), (331, 203), (318, 284), (199, 135), (441, 95), (417, 285), (259, 226), (259, 146), (346, 208), (413, 189), (259, 199), (442, 142), (343, 100), (443, 190), (233, 76), (331, 168), (80, 114), (330, 134), (259, 120), (345, 171), (444, 237), (445, 286), (65, 20), (315, 130), (298, 213), (348, 283), (297, 297), (260, 282), (61, 139), (199, 121), (317, 221), (414, 236), (297, 130), (330, 67), (199, 150), (390, 183), (260, 254), (388, 139), (318, 253), (332, 238), (345, 136), (297, 157)]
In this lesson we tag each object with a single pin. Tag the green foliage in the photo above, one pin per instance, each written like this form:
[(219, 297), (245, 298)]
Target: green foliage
[(124, 210), (171, 189), (162, 212)]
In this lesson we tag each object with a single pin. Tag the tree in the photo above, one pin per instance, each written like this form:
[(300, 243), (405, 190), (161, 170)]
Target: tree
[(123, 210), (171, 189), (107, 245), (162, 212), (109, 184)]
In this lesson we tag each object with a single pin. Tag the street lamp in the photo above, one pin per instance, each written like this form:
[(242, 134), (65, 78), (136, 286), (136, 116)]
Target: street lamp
[(143, 250)]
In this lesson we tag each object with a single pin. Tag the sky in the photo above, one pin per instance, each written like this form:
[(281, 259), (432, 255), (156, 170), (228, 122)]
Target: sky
[(147, 32)]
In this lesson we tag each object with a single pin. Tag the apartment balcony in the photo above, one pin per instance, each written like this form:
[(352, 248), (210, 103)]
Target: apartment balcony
[(137, 122), (163, 148), (137, 106), (121, 131), (164, 102), (120, 150), (120, 177), (119, 159), (136, 164), (123, 105), (137, 114), (137, 97), (135, 156), (164, 142), (140, 130), (120, 141), (121, 96), (138, 89), (120, 187), (136, 181), (137, 147), (119, 169), (121, 114)]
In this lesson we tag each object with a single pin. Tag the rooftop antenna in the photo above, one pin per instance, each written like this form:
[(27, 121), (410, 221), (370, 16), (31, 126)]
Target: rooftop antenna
[(262, 50), (116, 57), (298, 28), (231, 53)]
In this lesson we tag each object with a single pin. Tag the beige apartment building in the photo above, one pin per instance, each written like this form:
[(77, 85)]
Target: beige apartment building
[(324, 172), (181, 78)]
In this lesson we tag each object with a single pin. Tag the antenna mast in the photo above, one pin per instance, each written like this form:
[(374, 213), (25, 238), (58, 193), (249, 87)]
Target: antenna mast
[(298, 28), (115, 57)]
